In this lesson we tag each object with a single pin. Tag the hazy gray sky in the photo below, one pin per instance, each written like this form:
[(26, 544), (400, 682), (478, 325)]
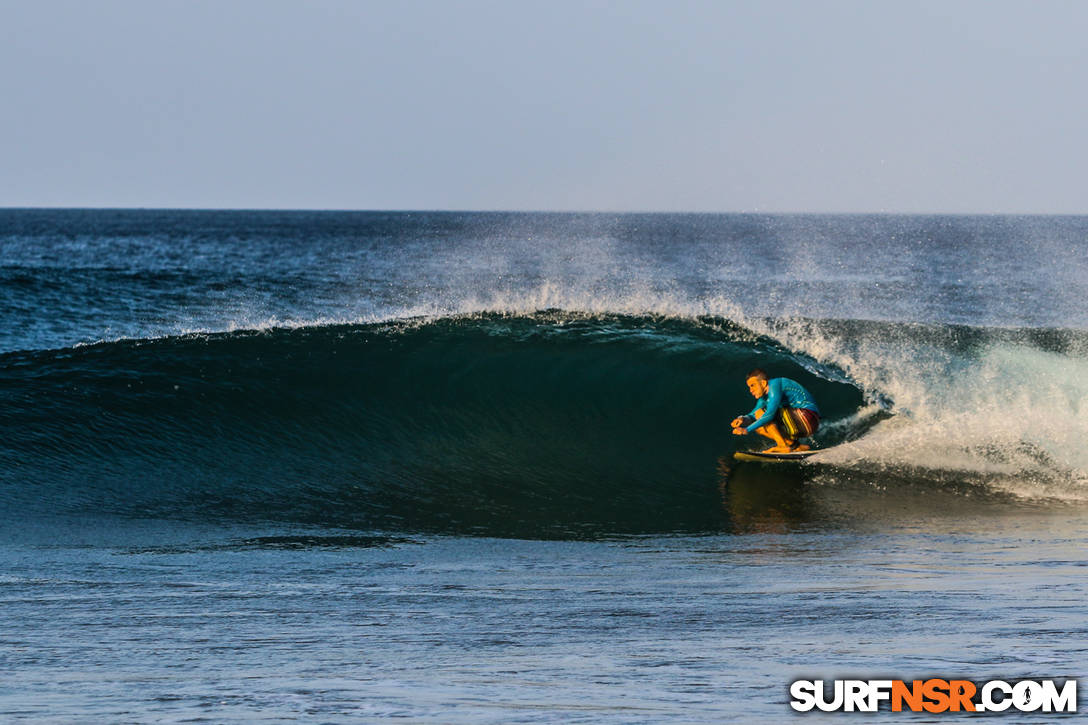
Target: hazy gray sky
[(622, 106)]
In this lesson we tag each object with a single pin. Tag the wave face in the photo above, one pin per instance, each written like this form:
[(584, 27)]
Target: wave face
[(502, 424), (555, 423), (533, 374)]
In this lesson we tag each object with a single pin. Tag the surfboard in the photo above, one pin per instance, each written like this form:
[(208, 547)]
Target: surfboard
[(771, 457)]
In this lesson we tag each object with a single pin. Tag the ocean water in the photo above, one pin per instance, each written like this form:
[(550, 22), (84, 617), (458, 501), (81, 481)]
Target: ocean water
[(477, 467)]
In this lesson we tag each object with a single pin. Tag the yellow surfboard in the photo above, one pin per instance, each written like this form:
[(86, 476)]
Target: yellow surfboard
[(772, 457)]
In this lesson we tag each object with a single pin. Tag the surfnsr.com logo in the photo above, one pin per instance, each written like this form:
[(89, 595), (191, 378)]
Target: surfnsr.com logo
[(934, 695)]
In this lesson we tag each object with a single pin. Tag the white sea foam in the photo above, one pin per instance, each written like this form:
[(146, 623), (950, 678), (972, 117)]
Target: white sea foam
[(1015, 413)]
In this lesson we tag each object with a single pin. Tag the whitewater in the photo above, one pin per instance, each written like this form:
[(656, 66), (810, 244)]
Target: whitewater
[(445, 437)]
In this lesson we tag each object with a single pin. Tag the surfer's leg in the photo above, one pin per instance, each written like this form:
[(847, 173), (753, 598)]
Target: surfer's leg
[(781, 443), (774, 432), (783, 432), (763, 431)]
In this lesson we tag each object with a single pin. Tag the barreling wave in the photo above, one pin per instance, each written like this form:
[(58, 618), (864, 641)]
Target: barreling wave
[(501, 424)]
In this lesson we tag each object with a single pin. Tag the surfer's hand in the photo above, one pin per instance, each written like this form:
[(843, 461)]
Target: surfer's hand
[(736, 422), (738, 431)]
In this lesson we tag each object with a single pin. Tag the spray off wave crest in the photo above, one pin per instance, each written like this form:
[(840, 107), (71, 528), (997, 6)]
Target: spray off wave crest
[(513, 423)]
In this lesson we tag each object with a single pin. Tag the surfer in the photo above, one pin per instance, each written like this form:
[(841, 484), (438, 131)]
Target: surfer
[(784, 412)]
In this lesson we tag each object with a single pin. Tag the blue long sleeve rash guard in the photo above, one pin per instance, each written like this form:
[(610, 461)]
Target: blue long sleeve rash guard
[(779, 391)]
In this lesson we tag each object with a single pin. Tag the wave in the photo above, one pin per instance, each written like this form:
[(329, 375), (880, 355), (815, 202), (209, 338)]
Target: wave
[(523, 424)]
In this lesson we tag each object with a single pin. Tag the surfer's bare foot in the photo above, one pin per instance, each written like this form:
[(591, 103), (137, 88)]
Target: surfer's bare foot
[(795, 448)]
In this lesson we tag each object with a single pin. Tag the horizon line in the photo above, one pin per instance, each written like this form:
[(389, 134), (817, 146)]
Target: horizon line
[(742, 212)]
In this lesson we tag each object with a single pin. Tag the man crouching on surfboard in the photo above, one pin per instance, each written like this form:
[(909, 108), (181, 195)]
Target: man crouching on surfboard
[(784, 412)]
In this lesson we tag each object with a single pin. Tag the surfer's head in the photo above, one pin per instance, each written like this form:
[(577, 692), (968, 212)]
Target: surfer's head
[(757, 383)]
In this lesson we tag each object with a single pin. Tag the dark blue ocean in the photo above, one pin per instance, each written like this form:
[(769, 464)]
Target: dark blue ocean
[(477, 467)]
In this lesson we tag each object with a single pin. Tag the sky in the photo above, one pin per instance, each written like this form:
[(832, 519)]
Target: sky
[(630, 105)]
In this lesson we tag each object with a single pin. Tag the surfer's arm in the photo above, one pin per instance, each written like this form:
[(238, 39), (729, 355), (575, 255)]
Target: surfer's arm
[(741, 421), (774, 401)]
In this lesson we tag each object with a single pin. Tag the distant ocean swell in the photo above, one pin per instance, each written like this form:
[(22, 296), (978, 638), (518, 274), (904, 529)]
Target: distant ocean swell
[(522, 424)]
